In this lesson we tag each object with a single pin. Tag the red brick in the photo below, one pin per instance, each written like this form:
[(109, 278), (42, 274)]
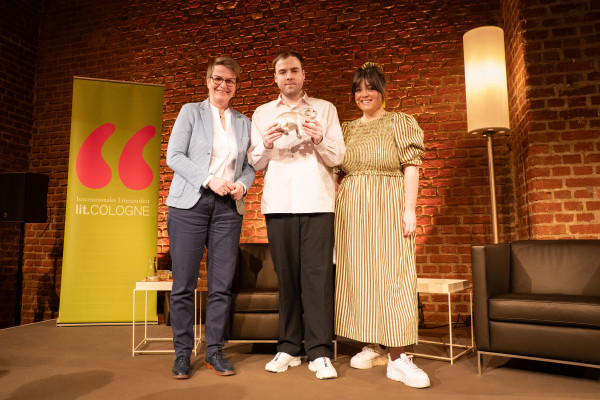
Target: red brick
[(587, 170), (542, 218), (579, 182), (537, 196), (546, 207), (560, 171), (562, 194), (547, 184), (589, 229), (546, 231), (587, 218), (573, 205), (592, 205), (564, 218)]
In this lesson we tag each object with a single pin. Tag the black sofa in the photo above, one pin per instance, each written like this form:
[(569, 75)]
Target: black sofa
[(538, 299), (255, 304)]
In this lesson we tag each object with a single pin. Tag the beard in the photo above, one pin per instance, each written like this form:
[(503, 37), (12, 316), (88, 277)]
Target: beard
[(291, 91)]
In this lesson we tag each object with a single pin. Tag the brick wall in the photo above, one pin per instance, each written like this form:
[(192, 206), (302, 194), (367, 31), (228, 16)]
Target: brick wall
[(19, 23), (419, 43), (420, 46), (555, 102), (519, 106)]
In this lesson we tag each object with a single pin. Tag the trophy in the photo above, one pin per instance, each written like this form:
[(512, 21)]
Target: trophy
[(292, 120)]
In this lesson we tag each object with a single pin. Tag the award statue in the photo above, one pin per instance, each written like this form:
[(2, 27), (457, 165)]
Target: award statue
[(292, 121)]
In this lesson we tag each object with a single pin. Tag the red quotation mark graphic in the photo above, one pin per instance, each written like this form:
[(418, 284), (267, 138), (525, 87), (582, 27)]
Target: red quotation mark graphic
[(93, 172)]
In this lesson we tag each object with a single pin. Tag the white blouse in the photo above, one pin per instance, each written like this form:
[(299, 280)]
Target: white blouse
[(224, 149)]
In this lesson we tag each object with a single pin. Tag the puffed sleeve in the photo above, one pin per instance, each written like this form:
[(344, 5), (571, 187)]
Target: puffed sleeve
[(409, 139)]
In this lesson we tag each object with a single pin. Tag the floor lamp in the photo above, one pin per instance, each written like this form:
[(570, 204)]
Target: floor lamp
[(487, 94)]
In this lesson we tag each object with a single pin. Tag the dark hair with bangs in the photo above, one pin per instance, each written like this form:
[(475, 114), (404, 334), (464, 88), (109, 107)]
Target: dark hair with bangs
[(373, 76)]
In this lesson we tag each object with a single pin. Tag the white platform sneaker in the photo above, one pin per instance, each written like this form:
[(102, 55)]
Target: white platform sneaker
[(281, 362), (370, 356), (323, 367), (403, 370)]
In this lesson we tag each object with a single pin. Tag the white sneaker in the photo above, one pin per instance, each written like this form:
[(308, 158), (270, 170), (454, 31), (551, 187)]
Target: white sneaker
[(370, 356), (281, 362), (403, 370), (322, 366)]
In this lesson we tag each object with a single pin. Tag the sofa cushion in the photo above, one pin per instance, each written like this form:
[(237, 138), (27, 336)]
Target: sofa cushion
[(569, 267), (253, 326), (255, 268), (565, 310), (566, 343), (256, 301)]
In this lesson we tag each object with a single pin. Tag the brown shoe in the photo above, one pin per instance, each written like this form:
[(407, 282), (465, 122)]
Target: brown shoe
[(219, 364), (181, 368)]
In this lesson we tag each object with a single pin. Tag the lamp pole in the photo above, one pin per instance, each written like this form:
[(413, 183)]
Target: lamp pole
[(492, 173)]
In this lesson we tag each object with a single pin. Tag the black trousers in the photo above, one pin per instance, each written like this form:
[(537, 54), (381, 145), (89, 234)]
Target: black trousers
[(213, 222), (302, 250)]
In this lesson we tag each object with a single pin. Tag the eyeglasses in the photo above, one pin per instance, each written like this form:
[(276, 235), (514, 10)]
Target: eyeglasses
[(218, 80)]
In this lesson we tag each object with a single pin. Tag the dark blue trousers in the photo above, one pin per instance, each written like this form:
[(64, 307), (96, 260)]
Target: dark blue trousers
[(213, 222)]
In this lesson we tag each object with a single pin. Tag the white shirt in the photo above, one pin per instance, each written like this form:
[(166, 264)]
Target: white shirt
[(224, 149), (298, 173)]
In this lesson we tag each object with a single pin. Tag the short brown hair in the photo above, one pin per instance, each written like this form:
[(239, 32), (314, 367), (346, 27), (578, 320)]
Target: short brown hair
[(371, 74), (287, 54), (226, 62)]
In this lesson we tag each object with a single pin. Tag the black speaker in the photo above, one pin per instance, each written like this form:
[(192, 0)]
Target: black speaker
[(23, 197)]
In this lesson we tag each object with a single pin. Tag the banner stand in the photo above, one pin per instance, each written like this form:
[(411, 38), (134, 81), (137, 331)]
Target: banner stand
[(111, 216)]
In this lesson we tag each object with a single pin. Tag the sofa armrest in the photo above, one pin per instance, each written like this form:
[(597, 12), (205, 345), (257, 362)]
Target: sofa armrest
[(491, 276)]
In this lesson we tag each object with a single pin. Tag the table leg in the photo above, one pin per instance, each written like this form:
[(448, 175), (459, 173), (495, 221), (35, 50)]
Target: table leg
[(133, 328), (450, 329), (195, 320), (146, 318), (471, 311)]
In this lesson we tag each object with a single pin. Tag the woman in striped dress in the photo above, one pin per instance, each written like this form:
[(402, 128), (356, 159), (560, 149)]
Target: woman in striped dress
[(375, 223)]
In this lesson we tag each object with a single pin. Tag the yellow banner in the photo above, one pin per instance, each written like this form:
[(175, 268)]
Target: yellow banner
[(112, 200)]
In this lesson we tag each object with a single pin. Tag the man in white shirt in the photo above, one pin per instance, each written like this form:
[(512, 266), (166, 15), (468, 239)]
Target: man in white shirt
[(298, 203)]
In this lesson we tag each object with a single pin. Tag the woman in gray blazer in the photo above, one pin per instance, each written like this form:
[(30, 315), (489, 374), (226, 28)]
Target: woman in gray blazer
[(207, 152)]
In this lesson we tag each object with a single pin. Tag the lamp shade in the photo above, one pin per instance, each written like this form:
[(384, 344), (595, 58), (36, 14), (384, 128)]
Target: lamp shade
[(485, 80)]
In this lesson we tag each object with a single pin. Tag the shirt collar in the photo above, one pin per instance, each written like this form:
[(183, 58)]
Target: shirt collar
[(215, 111), (304, 100)]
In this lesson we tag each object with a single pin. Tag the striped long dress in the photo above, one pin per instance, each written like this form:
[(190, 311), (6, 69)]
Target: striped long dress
[(376, 280)]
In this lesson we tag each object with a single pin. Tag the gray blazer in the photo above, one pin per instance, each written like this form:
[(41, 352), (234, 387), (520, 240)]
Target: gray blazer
[(190, 148)]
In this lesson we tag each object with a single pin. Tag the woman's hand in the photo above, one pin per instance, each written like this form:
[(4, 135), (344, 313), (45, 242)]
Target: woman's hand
[(237, 192), (409, 222), (271, 135), (313, 128), (220, 186), (411, 189)]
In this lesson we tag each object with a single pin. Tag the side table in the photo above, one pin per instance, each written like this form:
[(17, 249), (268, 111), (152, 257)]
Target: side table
[(166, 286), (447, 286)]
